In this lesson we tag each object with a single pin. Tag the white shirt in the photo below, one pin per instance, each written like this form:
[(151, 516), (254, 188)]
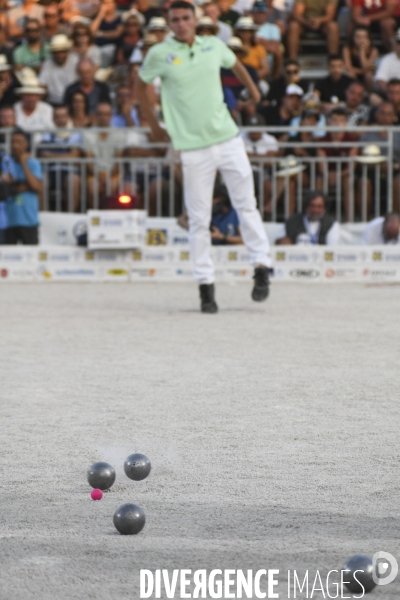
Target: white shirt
[(266, 143), (41, 118), (242, 6), (389, 68), (373, 234), (57, 78), (224, 31), (312, 230)]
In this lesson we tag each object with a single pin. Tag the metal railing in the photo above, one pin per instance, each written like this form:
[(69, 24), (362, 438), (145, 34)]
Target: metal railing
[(354, 190)]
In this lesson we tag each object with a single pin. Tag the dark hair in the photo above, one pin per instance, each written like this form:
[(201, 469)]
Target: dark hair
[(310, 196), (80, 25), (70, 105), (19, 131), (393, 82), (333, 57), (359, 28), (309, 112), (182, 4), (57, 106), (292, 61), (339, 111)]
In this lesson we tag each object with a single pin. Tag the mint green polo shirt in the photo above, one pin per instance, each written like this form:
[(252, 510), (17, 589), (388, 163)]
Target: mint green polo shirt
[(192, 99)]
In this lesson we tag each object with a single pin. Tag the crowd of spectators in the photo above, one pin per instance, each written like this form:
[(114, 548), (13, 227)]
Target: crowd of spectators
[(73, 64)]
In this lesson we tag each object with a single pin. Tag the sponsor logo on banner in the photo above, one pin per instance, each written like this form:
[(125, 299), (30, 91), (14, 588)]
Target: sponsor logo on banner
[(377, 256), (3, 273), (381, 273), (184, 272), (117, 272), (392, 257), (137, 255), (237, 272), (232, 255), (154, 256), (43, 272), (42, 255), (341, 272), (89, 255), (329, 256), (156, 237), (180, 240), (281, 256), (300, 257), (346, 257), (304, 273), (184, 255), (80, 272), (95, 221), (15, 256), (144, 272)]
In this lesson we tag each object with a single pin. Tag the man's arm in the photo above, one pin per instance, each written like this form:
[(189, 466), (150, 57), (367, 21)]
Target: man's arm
[(329, 15), (298, 14), (34, 184), (159, 134), (242, 74)]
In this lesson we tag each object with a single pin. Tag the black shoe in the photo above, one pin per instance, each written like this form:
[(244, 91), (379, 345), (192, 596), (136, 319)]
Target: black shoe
[(261, 284), (208, 304)]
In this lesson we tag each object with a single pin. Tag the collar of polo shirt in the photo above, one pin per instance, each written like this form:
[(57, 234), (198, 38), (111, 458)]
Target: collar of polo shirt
[(197, 40)]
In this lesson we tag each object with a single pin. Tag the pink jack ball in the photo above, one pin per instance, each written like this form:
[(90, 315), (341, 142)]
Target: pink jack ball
[(96, 494)]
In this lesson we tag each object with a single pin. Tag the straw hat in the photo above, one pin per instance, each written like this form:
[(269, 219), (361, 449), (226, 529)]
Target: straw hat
[(29, 83), (207, 22), (245, 23), (235, 43), (371, 155), (4, 66), (134, 13), (289, 166), (60, 43), (149, 39), (157, 24)]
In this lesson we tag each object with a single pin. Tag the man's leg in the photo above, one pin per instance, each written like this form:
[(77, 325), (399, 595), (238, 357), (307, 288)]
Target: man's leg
[(11, 236), (199, 171), (293, 39), (237, 174), (29, 236), (331, 30)]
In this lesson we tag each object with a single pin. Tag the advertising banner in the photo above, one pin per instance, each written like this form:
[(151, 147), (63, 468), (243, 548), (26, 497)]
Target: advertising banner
[(116, 229)]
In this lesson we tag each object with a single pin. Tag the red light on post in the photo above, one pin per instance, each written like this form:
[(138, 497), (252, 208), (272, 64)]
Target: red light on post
[(124, 199)]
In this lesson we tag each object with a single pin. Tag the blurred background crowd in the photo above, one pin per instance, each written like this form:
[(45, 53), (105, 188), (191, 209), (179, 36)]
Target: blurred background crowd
[(68, 68)]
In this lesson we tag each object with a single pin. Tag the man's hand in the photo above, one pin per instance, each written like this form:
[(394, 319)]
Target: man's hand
[(364, 21), (216, 234), (315, 23)]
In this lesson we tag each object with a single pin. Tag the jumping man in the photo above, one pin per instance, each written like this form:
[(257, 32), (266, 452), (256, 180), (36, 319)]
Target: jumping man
[(200, 126)]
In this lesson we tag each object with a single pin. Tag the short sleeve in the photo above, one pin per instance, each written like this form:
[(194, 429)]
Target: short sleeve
[(228, 58), (152, 66), (35, 167)]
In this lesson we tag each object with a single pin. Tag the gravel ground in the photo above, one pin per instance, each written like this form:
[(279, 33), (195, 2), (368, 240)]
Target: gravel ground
[(273, 431)]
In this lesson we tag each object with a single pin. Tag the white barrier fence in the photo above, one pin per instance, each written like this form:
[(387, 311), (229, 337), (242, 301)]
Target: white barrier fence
[(168, 263)]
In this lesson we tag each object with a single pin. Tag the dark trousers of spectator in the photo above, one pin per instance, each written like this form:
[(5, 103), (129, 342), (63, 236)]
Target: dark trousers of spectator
[(26, 235)]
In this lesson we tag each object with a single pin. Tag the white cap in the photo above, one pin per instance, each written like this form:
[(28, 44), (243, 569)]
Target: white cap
[(294, 90)]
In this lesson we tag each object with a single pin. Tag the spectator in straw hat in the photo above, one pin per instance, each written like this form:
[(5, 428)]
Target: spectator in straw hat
[(206, 26), (58, 72), (131, 37), (256, 56), (31, 112), (35, 51), (212, 10), (8, 83), (382, 230), (158, 27)]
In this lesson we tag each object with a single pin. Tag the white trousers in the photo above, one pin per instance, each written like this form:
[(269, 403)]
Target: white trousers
[(199, 171)]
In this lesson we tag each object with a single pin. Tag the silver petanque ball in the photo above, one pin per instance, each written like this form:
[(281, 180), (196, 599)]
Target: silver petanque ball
[(101, 475), (359, 576), (137, 467), (129, 519)]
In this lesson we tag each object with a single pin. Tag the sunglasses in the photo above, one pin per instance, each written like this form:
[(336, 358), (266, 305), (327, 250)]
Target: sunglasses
[(292, 71), (32, 30)]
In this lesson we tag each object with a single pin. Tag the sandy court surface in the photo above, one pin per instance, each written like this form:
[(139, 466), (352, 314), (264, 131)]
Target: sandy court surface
[(273, 431)]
